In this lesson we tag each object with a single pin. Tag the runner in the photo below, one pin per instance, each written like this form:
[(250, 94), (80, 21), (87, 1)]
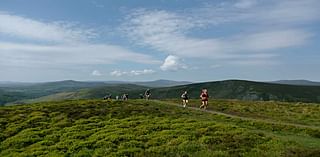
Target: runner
[(125, 97), (147, 94), (185, 98), (204, 98)]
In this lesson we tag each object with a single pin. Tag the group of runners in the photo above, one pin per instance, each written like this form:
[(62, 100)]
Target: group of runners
[(204, 96), (125, 96)]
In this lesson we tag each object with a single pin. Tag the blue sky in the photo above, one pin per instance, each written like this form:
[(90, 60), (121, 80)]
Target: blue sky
[(192, 40)]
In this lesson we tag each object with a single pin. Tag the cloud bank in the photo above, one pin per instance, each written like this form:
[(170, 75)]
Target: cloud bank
[(274, 25), (57, 44), (119, 73)]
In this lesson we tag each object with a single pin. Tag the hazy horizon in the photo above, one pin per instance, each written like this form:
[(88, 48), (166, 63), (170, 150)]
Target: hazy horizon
[(132, 81), (193, 40)]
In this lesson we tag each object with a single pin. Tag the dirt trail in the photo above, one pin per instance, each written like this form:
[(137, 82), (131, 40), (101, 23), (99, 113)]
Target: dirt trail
[(269, 121)]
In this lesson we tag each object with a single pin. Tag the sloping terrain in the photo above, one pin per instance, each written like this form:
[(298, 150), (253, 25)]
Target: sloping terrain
[(147, 128), (298, 82), (17, 92), (230, 89), (244, 90)]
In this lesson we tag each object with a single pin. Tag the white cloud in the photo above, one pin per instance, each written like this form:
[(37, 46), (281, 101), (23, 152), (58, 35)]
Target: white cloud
[(169, 32), (96, 73), (119, 73), (25, 28), (251, 63), (256, 12), (26, 55), (263, 41), (97, 4), (54, 44), (292, 12), (172, 63), (215, 66), (244, 4), (141, 72)]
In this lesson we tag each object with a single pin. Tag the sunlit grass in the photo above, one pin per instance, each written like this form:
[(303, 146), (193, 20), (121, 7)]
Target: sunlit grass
[(144, 128)]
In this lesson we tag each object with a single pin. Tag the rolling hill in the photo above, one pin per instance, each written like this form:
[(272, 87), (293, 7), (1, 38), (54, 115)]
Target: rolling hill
[(99, 92), (21, 91), (298, 82), (229, 89), (157, 128), (18, 91), (244, 90)]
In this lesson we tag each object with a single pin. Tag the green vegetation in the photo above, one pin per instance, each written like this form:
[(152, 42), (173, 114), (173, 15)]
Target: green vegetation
[(155, 128), (245, 90), (298, 113), (66, 90), (230, 89), (10, 96), (19, 92)]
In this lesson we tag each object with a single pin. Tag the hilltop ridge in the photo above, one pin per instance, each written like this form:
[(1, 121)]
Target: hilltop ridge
[(226, 89)]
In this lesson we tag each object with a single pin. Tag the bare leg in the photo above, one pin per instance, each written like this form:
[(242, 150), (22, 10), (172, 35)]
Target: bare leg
[(206, 105), (202, 105)]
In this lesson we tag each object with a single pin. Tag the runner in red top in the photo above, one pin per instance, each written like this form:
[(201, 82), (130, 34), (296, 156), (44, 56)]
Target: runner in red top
[(204, 98)]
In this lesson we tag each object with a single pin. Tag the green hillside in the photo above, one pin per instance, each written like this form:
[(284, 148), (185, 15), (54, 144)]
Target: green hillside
[(11, 96), (18, 92), (134, 91), (230, 89), (66, 90), (156, 128), (244, 90)]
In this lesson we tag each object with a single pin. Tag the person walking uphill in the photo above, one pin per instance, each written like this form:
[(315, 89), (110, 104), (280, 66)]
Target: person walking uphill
[(185, 98), (204, 98)]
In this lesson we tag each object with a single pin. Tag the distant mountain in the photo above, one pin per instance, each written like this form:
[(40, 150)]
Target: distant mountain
[(244, 90), (13, 84), (14, 92), (297, 82), (162, 83), (228, 89), (133, 90)]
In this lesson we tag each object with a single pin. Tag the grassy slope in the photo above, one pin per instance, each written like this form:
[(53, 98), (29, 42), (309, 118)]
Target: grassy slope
[(89, 93), (10, 96), (244, 90), (100, 128), (21, 92), (231, 89), (298, 113)]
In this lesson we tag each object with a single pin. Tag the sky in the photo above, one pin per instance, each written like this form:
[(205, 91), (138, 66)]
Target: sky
[(190, 40)]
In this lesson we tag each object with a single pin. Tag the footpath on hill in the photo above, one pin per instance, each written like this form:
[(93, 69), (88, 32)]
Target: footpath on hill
[(240, 117)]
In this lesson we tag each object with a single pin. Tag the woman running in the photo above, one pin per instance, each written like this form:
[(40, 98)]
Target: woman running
[(185, 99), (204, 98)]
